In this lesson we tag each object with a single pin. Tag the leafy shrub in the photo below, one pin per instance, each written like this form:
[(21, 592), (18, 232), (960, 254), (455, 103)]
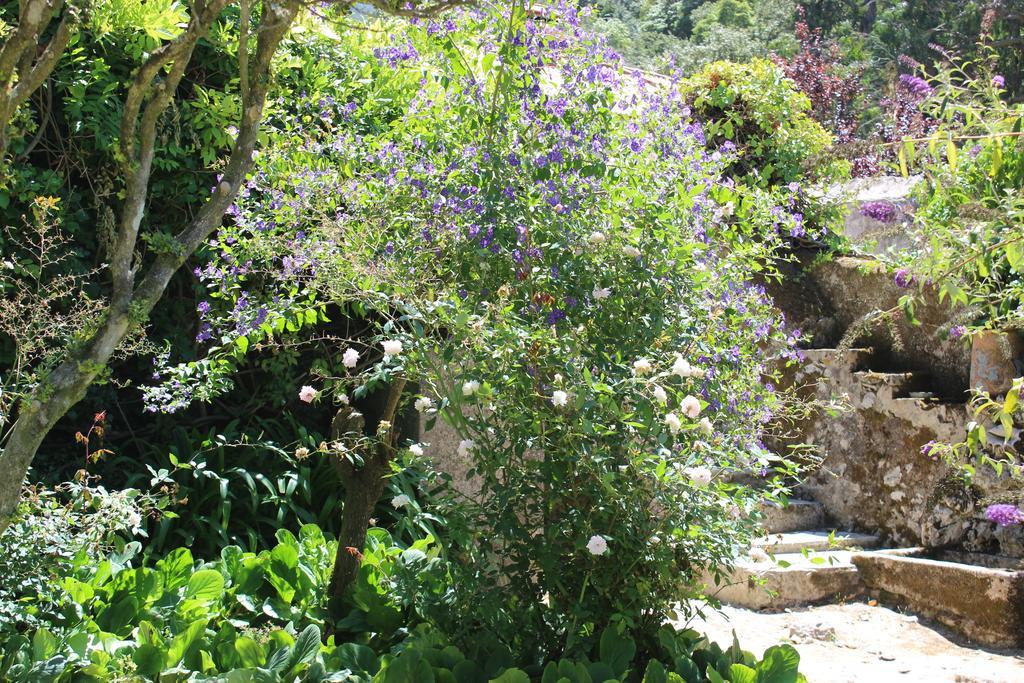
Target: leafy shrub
[(756, 109), (566, 272), (226, 488), (970, 244), (54, 530), (253, 616)]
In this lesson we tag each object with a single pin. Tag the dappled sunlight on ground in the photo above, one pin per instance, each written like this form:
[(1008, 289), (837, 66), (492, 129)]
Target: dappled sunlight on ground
[(858, 642)]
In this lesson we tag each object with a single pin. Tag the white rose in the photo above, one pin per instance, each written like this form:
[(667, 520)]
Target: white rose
[(701, 476), (471, 387), (350, 358), (706, 426), (660, 395), (423, 404), (601, 293), (597, 545), (641, 366), (392, 347), (673, 423), (597, 237), (690, 407), (416, 449), (630, 250), (559, 398), (401, 500)]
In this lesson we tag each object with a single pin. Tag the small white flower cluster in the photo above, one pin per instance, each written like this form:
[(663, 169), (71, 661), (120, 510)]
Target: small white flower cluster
[(416, 449), (423, 404)]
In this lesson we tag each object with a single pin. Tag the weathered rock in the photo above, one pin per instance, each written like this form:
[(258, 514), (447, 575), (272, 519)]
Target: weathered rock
[(794, 516), (986, 604), (868, 233), (790, 580)]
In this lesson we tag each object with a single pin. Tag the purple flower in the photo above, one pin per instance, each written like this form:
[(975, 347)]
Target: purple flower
[(928, 450), (1004, 514), (957, 331), (883, 212), (998, 82), (903, 278), (915, 85)]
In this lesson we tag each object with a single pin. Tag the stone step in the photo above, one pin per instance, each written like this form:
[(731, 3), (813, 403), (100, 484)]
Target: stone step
[(788, 580), (900, 384), (846, 358), (815, 541), (796, 515)]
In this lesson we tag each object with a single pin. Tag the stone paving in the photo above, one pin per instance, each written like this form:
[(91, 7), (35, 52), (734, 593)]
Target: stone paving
[(864, 643)]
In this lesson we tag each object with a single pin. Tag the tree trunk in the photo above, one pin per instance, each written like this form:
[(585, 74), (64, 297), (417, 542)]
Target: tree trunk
[(363, 487), (362, 492), (49, 402)]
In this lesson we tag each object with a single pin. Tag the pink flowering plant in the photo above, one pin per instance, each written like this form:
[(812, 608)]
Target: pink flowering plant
[(540, 246)]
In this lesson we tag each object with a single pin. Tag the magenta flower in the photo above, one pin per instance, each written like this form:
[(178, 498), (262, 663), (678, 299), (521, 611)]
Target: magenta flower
[(1004, 514), (998, 82), (903, 278)]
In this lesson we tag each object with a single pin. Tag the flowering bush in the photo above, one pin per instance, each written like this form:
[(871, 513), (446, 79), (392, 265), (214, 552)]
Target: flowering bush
[(545, 244), (754, 110)]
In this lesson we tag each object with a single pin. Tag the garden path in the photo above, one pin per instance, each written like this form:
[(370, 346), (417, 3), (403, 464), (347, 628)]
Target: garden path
[(858, 642)]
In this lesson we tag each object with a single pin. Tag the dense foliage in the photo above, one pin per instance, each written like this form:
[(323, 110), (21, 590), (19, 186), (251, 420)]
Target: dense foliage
[(484, 224), (582, 273)]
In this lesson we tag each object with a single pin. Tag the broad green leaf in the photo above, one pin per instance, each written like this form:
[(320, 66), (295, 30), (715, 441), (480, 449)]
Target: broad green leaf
[(616, 650), (779, 665), (206, 585), (250, 652)]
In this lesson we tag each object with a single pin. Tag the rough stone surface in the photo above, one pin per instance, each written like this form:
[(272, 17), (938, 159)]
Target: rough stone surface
[(788, 580), (852, 288), (985, 604), (859, 643), (815, 541), (872, 235), (794, 516), (873, 475)]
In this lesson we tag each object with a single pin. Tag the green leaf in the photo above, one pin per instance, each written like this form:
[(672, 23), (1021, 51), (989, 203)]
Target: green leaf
[(80, 592), (616, 650), (306, 648), (44, 645), (739, 673), (206, 585), (250, 652), (149, 660), (359, 658), (512, 676), (175, 568), (779, 665), (184, 641), (655, 673)]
